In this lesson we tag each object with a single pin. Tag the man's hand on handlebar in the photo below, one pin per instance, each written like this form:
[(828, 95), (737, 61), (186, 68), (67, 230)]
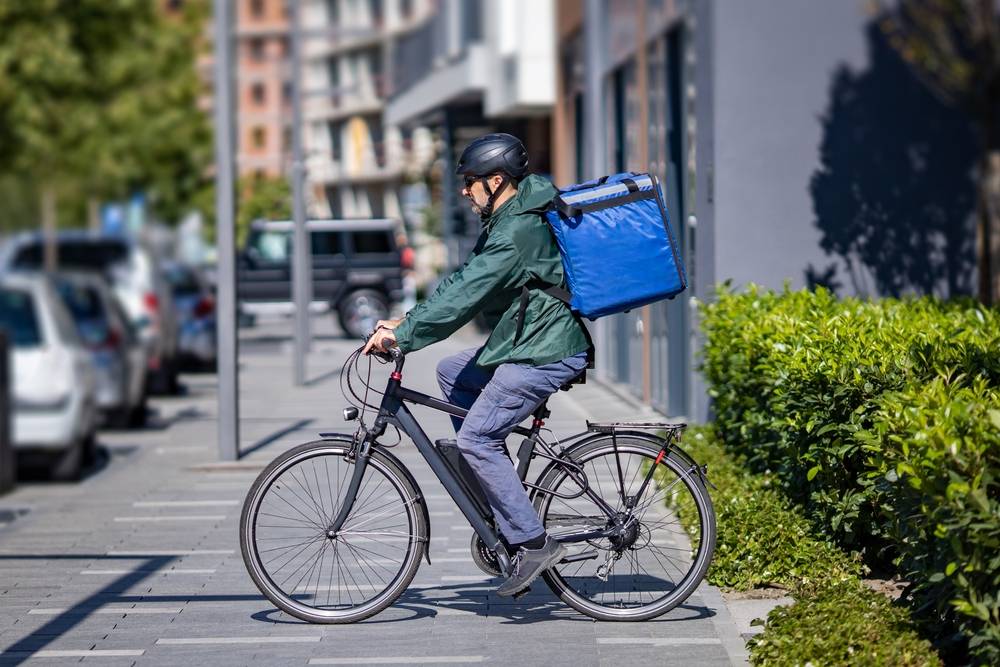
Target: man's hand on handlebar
[(380, 341)]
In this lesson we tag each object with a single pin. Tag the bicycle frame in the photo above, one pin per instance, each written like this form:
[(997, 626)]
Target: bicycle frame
[(393, 411)]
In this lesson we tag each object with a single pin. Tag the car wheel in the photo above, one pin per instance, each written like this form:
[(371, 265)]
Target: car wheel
[(360, 310), (119, 418), (137, 415), (67, 465)]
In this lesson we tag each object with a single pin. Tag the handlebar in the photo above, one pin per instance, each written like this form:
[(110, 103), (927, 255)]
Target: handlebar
[(394, 353)]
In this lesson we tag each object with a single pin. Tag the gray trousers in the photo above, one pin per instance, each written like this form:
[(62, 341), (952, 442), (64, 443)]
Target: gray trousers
[(497, 402)]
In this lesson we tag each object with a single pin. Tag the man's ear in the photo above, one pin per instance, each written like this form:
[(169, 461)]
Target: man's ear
[(495, 181)]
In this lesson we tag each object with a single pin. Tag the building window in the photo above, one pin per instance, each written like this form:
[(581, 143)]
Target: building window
[(333, 12), (257, 8), (334, 202), (258, 137), (258, 93), (286, 139), (376, 12), (406, 9), (336, 147), (257, 49), (286, 92)]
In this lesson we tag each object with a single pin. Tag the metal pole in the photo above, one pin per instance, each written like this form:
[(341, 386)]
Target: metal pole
[(228, 407), (301, 264), (8, 462), (593, 34)]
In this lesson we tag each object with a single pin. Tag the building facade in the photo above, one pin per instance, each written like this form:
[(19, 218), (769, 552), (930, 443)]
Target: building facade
[(263, 88), (792, 144), (355, 161), (468, 68)]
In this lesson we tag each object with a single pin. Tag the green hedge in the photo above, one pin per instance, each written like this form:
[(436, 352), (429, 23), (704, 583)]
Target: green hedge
[(764, 540), (841, 623), (813, 389)]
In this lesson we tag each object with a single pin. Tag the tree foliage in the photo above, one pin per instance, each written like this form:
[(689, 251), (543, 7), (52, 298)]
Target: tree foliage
[(261, 198), (100, 97)]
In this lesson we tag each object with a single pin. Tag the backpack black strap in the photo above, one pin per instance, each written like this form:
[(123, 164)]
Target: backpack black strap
[(564, 296)]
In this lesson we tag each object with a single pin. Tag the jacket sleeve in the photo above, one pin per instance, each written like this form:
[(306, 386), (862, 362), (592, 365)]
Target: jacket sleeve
[(497, 267)]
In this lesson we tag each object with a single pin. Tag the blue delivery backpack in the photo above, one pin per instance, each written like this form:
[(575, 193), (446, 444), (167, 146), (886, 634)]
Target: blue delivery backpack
[(617, 248)]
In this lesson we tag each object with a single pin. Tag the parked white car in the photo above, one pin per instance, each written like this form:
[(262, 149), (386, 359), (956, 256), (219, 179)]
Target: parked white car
[(54, 413), (135, 277)]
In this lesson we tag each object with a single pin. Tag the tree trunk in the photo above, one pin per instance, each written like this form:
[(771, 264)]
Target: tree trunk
[(49, 224), (988, 232), (93, 214)]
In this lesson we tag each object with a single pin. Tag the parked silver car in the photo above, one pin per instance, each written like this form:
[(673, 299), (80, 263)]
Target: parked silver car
[(194, 304), (136, 279), (119, 357), (54, 411)]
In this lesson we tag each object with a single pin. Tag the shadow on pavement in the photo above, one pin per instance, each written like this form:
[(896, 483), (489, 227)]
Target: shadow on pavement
[(67, 619), (537, 607)]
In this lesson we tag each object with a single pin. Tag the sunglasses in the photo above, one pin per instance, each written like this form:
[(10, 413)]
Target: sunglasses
[(470, 181)]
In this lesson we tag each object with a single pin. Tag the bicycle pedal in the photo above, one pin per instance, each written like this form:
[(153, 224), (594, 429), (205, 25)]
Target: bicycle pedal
[(521, 593)]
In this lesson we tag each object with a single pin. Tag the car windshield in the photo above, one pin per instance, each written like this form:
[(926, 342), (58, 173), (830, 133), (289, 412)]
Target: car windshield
[(182, 280), (18, 317)]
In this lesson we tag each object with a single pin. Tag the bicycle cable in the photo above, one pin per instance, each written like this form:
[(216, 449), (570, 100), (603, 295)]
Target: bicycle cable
[(352, 366)]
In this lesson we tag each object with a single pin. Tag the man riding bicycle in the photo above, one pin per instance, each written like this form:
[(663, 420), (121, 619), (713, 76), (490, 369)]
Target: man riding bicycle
[(537, 344)]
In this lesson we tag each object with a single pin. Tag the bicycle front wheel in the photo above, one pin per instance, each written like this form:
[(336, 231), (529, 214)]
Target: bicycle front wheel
[(305, 568), (655, 564)]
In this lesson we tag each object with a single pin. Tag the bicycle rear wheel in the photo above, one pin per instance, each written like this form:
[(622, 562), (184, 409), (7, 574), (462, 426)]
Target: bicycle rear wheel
[(654, 566), (306, 569)]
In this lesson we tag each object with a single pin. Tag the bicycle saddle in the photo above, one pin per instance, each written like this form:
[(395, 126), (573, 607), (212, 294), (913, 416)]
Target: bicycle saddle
[(579, 379)]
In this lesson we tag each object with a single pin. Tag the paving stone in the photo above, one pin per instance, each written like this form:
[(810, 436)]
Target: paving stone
[(451, 610)]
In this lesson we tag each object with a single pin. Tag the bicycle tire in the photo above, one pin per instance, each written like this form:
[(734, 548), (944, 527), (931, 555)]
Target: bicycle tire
[(565, 585), (411, 503)]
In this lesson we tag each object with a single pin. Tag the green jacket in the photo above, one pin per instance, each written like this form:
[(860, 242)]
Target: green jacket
[(515, 248)]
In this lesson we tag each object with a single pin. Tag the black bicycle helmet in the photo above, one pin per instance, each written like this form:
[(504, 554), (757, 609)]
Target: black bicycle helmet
[(494, 154), (490, 154)]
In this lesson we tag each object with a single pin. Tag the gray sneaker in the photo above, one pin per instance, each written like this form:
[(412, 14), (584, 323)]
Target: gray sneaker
[(529, 563)]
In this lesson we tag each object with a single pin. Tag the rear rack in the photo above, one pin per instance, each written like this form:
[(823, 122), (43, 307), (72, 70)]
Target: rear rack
[(611, 427)]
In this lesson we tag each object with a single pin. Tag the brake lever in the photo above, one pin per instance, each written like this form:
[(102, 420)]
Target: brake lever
[(391, 355)]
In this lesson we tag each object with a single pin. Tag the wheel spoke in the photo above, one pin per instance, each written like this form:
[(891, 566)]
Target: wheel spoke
[(646, 567), (344, 575)]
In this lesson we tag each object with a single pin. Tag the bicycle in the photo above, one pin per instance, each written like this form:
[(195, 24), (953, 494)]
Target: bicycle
[(344, 550)]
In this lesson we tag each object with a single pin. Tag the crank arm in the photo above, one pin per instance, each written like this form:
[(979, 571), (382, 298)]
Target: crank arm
[(584, 555)]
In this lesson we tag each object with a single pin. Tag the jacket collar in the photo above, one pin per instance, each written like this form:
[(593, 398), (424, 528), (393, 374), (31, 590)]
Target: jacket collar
[(533, 195)]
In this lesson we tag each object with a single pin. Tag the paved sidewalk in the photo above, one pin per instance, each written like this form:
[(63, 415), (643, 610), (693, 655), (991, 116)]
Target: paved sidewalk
[(140, 562)]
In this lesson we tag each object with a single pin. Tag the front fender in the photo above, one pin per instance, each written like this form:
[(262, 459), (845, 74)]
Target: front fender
[(393, 460)]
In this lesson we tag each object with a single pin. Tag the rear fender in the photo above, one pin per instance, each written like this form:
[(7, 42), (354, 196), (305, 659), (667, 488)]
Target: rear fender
[(573, 450)]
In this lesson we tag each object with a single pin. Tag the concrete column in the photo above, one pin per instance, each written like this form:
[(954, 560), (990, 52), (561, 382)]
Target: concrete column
[(594, 21)]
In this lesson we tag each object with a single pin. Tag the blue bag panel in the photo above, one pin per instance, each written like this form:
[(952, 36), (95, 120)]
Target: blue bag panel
[(618, 254)]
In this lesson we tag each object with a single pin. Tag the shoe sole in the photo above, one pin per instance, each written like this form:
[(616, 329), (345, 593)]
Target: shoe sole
[(552, 560)]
